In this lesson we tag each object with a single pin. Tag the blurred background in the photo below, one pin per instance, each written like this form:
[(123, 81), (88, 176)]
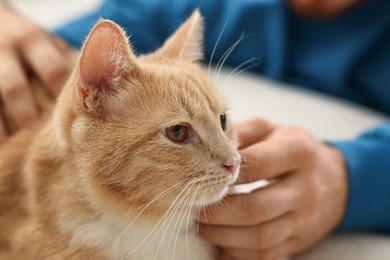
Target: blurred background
[(324, 116), (53, 13)]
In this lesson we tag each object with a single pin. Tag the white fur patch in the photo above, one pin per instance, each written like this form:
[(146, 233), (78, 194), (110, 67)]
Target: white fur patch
[(120, 239)]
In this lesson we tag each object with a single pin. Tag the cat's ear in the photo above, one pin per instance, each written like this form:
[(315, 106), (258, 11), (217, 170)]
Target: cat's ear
[(106, 63), (187, 41)]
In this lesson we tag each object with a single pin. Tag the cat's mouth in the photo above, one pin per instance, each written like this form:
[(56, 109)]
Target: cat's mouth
[(216, 189), (234, 176)]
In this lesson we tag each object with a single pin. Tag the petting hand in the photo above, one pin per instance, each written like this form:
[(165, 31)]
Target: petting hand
[(27, 49), (321, 8), (304, 202)]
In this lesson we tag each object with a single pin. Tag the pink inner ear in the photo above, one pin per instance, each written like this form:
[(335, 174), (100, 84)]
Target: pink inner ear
[(105, 60)]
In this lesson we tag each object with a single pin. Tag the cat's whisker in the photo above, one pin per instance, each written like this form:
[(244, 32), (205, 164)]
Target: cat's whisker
[(190, 208), (240, 69), (155, 233), (170, 217), (216, 45), (208, 209), (179, 224), (158, 223), (178, 217), (237, 72), (202, 205), (177, 220), (162, 194), (167, 221), (203, 202), (226, 55)]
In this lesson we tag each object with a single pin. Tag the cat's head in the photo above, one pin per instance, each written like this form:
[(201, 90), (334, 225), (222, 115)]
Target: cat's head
[(149, 130)]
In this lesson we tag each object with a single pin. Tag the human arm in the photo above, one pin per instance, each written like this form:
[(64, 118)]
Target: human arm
[(368, 163)]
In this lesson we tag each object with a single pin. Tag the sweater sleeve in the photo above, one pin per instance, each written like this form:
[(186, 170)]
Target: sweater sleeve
[(368, 163)]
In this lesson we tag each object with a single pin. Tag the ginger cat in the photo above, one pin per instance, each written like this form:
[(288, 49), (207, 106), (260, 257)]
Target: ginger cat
[(133, 148)]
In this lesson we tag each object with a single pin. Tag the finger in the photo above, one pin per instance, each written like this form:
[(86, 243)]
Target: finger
[(252, 131), (286, 150), (47, 61), (15, 90), (61, 45), (251, 209), (3, 131), (263, 236)]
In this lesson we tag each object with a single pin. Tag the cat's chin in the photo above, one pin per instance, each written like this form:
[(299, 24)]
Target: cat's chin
[(234, 177), (218, 193), (214, 196)]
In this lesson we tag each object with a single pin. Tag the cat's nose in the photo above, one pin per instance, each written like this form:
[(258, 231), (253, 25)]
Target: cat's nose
[(232, 163)]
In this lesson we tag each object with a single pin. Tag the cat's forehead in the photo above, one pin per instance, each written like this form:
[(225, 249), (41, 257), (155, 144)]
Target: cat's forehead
[(187, 87)]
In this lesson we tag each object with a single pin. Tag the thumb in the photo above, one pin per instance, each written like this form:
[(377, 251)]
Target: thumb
[(252, 131)]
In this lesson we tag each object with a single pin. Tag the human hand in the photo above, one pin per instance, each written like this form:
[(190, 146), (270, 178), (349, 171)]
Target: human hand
[(321, 8), (303, 203), (27, 50)]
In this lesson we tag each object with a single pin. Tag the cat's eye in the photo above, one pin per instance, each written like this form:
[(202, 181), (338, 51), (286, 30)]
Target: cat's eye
[(177, 133), (222, 118)]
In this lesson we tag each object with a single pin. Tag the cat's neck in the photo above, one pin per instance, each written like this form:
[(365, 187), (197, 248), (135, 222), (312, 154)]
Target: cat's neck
[(173, 237), (53, 180)]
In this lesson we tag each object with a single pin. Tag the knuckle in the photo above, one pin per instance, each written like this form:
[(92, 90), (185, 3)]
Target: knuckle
[(305, 146), (314, 189), (26, 33), (259, 125), (257, 121), (11, 91), (311, 191), (56, 72)]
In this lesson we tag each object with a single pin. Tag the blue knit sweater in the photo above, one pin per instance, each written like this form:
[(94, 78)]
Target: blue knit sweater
[(347, 56)]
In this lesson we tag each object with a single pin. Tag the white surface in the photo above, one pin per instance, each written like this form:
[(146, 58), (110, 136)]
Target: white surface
[(250, 95), (53, 13), (324, 116)]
